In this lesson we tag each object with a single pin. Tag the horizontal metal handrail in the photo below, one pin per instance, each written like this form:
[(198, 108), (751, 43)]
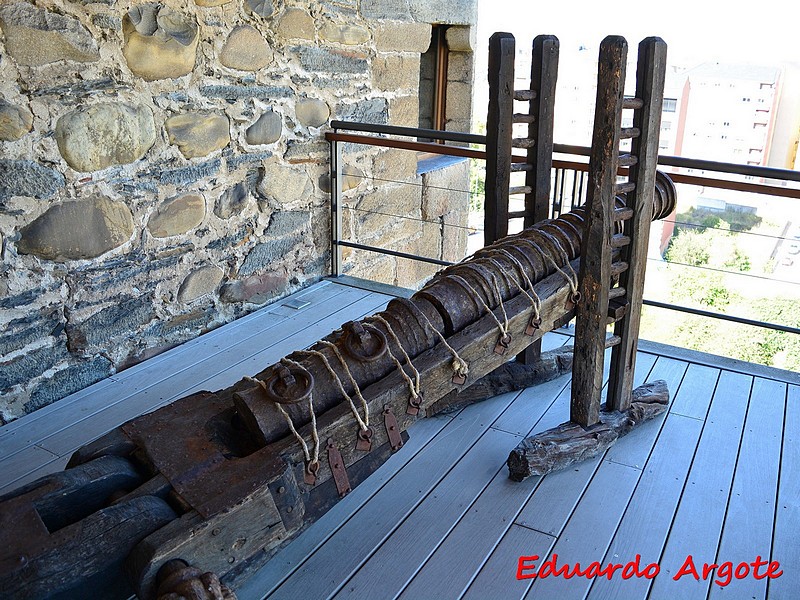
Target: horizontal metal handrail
[(718, 315), (433, 134)]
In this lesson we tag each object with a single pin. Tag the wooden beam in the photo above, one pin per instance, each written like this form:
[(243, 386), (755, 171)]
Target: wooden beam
[(499, 125), (650, 74), (595, 272)]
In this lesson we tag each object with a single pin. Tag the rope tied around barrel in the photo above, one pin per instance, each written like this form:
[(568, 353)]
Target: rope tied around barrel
[(363, 423), (311, 456), (413, 386), (571, 277), (536, 302), (503, 327), (459, 365)]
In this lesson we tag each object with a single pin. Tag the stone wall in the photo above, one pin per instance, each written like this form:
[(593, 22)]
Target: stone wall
[(163, 168)]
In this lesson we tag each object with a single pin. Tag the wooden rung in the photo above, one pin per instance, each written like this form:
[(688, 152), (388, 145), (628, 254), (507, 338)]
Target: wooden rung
[(523, 143), (623, 214), (516, 167), (628, 160), (631, 102), (518, 214), (618, 268), (617, 292), (624, 188), (524, 95), (612, 341), (522, 189), (617, 308), (618, 240), (523, 118), (628, 132)]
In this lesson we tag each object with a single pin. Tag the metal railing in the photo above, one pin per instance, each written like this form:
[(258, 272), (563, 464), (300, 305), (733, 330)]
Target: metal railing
[(567, 190)]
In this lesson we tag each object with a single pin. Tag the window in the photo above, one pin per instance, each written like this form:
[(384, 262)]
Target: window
[(433, 81), (670, 104), (666, 126)]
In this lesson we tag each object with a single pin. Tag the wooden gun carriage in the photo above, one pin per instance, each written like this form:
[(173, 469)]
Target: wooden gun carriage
[(220, 480)]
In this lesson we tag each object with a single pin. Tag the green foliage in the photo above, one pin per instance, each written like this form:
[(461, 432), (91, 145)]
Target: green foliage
[(728, 219), (477, 185), (690, 248)]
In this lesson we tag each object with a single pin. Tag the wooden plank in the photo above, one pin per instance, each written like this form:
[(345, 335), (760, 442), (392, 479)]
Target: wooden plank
[(595, 271), (57, 464), (295, 554), (650, 76), (497, 578), (499, 126), (486, 521), (645, 525), (747, 532), (19, 465), (785, 548), (212, 349), (693, 399), (253, 322), (589, 530), (386, 573), (634, 448), (523, 412), (356, 540), (215, 374), (698, 521)]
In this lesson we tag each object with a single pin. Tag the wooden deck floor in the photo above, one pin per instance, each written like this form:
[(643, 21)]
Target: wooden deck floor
[(717, 478)]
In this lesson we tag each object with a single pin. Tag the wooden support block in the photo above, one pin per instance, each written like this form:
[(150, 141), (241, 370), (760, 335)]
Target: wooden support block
[(628, 160), (618, 308), (624, 188), (618, 267), (523, 118), (616, 292), (522, 189), (627, 133), (518, 167), (523, 143), (631, 102), (569, 443), (612, 340), (619, 240), (623, 214), (524, 95)]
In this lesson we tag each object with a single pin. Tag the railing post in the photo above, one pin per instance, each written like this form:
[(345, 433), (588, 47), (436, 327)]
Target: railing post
[(336, 208)]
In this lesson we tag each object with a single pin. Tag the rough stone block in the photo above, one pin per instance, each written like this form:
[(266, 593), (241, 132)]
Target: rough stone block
[(232, 202), (35, 37), (27, 366), (396, 165), (256, 289), (238, 92), (32, 328), (160, 43), (266, 130), (262, 8), (298, 151), (315, 59), (382, 270), (190, 174), (199, 283), (77, 229), (344, 33), (177, 215), (312, 112), (245, 49), (402, 37), (384, 207), (15, 121), (371, 110), (287, 222), (455, 236), (28, 178), (351, 179), (118, 321), (210, 3), (398, 10), (459, 101), (462, 39), (459, 67), (68, 381), (396, 71), (263, 255), (445, 190), (404, 111), (107, 21), (101, 135), (198, 133), (285, 185), (452, 12), (295, 23)]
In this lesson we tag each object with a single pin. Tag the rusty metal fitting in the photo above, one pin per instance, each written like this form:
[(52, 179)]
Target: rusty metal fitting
[(365, 343), (176, 579), (289, 385)]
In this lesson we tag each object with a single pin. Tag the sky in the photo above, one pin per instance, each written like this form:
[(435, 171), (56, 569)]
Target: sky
[(762, 32)]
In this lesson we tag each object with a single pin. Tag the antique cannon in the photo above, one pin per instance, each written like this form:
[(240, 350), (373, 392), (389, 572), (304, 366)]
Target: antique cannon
[(222, 479)]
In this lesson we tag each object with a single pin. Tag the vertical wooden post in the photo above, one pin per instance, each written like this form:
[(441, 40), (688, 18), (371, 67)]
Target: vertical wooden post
[(544, 75), (499, 121), (650, 74), (595, 270)]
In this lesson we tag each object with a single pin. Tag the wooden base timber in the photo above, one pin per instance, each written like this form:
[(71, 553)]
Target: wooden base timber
[(508, 377), (569, 443)]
